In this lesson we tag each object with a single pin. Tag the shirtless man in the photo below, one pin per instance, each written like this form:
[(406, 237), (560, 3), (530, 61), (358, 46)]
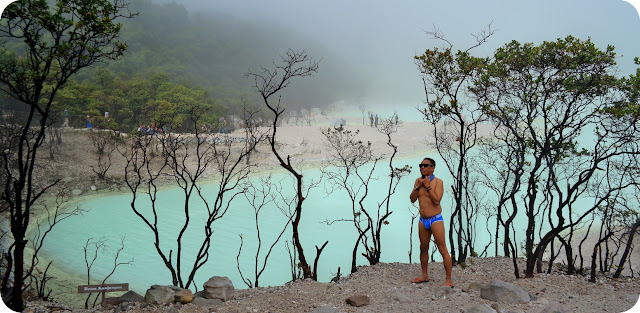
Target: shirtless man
[(428, 190)]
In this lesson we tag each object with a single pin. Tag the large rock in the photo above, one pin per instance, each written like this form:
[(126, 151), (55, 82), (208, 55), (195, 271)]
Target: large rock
[(498, 290), (159, 295), (219, 287)]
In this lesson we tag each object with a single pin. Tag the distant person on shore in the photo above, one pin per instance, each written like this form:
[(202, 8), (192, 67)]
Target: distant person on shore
[(371, 118), (428, 190), (222, 125), (376, 120), (66, 118), (88, 123)]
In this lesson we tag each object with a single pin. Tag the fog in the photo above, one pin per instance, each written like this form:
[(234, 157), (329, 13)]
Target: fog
[(380, 38)]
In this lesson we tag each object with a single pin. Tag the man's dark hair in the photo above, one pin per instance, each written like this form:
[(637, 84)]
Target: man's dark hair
[(432, 161)]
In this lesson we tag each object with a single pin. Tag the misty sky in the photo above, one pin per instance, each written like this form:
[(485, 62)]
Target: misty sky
[(380, 38)]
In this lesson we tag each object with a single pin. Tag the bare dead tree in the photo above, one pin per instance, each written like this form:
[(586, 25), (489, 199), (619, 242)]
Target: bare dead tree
[(411, 223), (362, 107), (388, 127), (93, 248), (53, 141), (105, 143), (260, 195), (350, 169), (269, 82), (185, 159), (34, 275)]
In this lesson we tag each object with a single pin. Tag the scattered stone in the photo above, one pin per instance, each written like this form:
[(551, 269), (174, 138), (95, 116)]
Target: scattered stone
[(219, 287), (498, 290), (497, 307), (632, 298), (325, 309), (480, 308), (400, 297), (473, 286), (206, 303), (94, 188), (175, 308), (358, 300), (442, 291), (131, 296), (76, 192), (110, 302), (124, 306), (543, 301), (554, 307)]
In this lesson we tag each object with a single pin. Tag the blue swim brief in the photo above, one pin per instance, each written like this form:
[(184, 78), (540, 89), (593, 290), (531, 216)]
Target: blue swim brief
[(430, 220)]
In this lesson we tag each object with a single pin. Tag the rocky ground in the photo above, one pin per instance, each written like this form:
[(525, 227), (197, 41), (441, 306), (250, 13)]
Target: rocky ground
[(387, 286)]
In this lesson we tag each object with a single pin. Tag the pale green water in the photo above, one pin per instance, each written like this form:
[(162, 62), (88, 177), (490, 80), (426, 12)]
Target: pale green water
[(112, 217)]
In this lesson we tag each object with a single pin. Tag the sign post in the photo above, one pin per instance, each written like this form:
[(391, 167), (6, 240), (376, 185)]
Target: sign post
[(103, 288)]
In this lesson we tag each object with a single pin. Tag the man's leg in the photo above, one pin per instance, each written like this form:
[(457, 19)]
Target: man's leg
[(439, 238), (425, 236)]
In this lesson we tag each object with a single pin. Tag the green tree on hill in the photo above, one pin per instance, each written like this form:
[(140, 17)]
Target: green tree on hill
[(55, 41)]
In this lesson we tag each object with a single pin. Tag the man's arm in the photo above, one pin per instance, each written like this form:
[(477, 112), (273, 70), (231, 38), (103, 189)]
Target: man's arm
[(435, 194), (414, 192)]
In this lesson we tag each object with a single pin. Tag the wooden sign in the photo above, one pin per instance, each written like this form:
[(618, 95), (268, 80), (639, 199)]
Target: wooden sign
[(103, 288)]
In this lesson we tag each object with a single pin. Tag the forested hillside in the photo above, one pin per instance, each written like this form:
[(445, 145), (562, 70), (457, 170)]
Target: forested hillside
[(203, 54), (214, 51)]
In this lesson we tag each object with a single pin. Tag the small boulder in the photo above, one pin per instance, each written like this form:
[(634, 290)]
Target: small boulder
[(325, 309), (131, 296), (358, 300), (206, 303), (184, 296), (219, 287), (498, 290), (159, 295), (76, 192)]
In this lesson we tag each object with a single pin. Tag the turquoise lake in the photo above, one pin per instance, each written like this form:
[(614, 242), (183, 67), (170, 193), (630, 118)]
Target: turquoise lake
[(112, 217)]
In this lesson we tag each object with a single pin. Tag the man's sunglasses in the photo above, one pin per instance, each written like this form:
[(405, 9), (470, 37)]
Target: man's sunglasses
[(424, 165)]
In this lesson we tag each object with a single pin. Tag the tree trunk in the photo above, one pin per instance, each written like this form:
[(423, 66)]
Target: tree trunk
[(15, 302), (627, 249)]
